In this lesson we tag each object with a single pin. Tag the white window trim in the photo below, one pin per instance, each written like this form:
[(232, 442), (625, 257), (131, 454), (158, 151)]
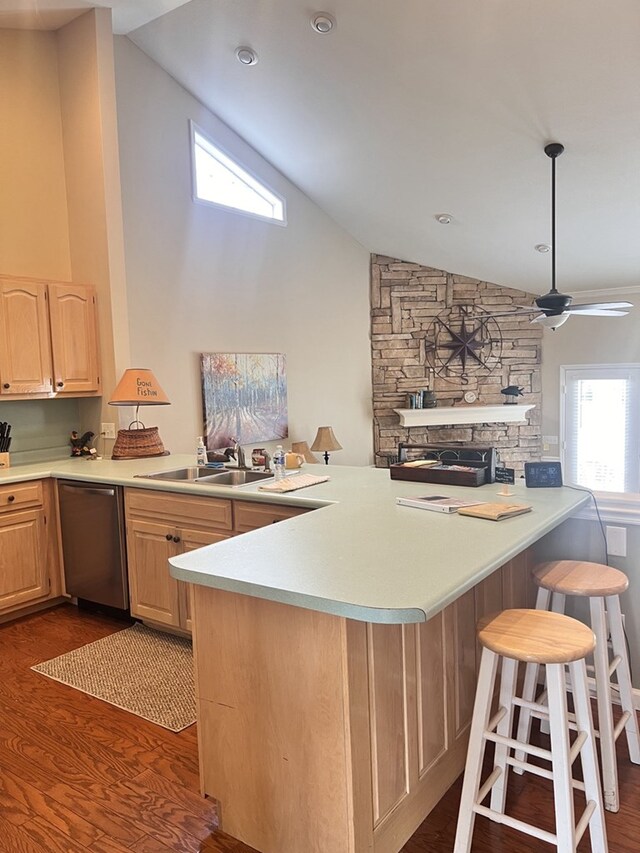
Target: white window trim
[(617, 507), (195, 128)]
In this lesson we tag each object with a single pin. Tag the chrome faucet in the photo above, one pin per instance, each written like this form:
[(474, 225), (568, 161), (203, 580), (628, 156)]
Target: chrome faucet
[(239, 454), (267, 461)]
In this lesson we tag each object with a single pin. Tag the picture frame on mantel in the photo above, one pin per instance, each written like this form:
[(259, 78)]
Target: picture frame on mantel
[(244, 398)]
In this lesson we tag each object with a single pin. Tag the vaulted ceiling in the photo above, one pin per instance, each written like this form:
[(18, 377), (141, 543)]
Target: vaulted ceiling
[(414, 108)]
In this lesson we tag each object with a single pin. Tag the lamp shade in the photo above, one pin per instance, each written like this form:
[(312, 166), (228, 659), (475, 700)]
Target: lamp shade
[(325, 440), (138, 387)]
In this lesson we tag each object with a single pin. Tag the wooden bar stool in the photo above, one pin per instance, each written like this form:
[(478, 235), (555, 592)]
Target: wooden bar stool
[(602, 585), (555, 641)]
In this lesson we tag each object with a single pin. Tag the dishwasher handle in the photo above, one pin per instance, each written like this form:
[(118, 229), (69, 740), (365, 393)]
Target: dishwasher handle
[(88, 490)]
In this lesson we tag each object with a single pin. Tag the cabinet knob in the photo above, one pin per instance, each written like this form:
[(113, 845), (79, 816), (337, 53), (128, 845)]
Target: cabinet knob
[(168, 537), (60, 384), (176, 538), (6, 385), (11, 498)]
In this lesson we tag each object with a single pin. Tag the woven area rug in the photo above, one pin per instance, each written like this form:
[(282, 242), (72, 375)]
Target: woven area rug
[(139, 670)]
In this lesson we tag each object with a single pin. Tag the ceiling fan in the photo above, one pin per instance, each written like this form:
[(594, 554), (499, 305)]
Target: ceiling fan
[(555, 306)]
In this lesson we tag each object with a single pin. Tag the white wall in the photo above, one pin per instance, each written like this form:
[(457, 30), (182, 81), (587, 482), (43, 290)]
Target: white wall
[(204, 280), (593, 340)]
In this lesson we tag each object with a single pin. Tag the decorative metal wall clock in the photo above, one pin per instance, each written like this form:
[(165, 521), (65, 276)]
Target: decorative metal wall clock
[(463, 340)]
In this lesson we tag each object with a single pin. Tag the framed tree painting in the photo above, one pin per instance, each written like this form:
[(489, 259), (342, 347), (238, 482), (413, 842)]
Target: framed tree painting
[(244, 397)]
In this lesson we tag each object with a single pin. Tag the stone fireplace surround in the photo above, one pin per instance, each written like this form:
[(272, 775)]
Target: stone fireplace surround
[(405, 298)]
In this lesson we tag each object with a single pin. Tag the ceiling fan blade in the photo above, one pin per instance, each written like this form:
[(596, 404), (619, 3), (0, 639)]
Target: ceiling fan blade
[(516, 311), (607, 305), (596, 311)]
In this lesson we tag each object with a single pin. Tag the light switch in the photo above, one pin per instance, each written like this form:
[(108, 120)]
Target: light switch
[(616, 541)]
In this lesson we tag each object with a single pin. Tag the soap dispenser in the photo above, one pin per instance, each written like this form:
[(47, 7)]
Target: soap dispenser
[(201, 452)]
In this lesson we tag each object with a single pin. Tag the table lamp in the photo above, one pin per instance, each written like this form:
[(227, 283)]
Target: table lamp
[(325, 441), (138, 387)]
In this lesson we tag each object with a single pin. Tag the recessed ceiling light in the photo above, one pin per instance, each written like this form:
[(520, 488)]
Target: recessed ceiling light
[(323, 22), (543, 248), (444, 218), (246, 55)]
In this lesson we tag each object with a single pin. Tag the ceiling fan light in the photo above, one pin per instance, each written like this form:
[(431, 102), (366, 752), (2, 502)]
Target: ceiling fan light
[(551, 321)]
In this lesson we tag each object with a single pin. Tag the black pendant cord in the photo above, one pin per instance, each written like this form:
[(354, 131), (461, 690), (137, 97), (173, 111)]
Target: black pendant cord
[(553, 225), (553, 150)]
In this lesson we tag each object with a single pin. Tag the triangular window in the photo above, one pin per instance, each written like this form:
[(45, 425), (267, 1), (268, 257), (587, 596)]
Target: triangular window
[(220, 180)]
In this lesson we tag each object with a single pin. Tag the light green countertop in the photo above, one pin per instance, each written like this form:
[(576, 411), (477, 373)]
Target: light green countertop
[(360, 554)]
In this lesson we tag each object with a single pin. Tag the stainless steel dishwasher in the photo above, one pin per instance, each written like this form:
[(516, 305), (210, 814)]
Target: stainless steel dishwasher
[(93, 543)]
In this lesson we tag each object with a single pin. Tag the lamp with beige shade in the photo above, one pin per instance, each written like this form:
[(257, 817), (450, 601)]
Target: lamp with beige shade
[(325, 441), (138, 387)]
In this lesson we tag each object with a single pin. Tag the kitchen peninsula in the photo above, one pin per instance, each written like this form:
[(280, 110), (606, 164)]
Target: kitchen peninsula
[(336, 658), (335, 652)]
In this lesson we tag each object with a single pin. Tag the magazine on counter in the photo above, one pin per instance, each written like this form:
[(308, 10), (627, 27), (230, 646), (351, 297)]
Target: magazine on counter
[(438, 503)]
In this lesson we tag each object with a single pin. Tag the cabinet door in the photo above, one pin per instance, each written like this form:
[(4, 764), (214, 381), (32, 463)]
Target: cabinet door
[(23, 558), (25, 350), (154, 593), (72, 311), (189, 541), (249, 515)]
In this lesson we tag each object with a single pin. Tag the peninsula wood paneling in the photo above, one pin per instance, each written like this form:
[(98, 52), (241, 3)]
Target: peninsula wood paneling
[(388, 676), (434, 656)]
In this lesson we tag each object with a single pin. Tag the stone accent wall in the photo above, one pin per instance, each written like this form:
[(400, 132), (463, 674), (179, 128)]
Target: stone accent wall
[(405, 299)]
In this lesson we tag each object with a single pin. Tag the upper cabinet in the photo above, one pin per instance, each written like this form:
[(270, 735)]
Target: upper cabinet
[(48, 340), (72, 312)]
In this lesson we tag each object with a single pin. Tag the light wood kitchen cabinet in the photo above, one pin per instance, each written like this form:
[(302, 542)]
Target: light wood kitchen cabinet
[(249, 515), (29, 565), (48, 340), (161, 525)]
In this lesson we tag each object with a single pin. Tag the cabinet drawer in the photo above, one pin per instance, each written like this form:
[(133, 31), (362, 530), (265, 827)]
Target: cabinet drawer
[(21, 495), (181, 510), (249, 515)]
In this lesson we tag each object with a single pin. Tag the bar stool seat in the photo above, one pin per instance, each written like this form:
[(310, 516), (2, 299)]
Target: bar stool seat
[(555, 641), (577, 577), (602, 585)]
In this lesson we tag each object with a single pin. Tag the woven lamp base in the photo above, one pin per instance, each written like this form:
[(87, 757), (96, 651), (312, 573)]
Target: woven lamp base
[(138, 444)]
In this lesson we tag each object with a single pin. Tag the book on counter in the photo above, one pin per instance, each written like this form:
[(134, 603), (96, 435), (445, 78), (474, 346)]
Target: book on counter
[(438, 503), (495, 512)]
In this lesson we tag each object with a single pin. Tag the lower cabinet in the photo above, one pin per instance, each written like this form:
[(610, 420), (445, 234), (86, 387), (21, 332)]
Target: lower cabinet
[(249, 515), (161, 525), (29, 566)]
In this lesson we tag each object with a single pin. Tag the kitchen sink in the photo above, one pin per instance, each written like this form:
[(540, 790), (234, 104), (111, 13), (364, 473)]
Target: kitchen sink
[(235, 478), (209, 476), (177, 474)]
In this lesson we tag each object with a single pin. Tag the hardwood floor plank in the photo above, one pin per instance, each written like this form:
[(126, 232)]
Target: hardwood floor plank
[(16, 840), (114, 827), (34, 802), (49, 838), (106, 845), (194, 803)]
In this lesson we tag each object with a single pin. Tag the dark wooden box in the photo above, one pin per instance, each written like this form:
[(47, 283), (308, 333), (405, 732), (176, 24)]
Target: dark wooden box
[(442, 475), (453, 454)]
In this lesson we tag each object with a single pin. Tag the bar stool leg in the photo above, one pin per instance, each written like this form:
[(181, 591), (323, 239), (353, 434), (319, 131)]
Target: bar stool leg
[(529, 687), (562, 785), (505, 726), (624, 676), (605, 715), (475, 754), (558, 600), (588, 757)]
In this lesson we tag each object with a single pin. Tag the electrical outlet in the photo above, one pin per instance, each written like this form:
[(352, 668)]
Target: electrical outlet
[(108, 430), (616, 541)]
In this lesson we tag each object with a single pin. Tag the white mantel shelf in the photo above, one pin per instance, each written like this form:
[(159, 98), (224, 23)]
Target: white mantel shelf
[(445, 415)]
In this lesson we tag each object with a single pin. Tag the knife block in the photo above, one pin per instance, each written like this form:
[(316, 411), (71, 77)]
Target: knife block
[(5, 460)]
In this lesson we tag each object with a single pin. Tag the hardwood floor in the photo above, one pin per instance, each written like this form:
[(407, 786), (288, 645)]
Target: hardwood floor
[(77, 774)]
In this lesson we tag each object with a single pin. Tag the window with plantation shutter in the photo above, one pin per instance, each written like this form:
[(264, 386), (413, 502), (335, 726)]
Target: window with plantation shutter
[(601, 427)]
